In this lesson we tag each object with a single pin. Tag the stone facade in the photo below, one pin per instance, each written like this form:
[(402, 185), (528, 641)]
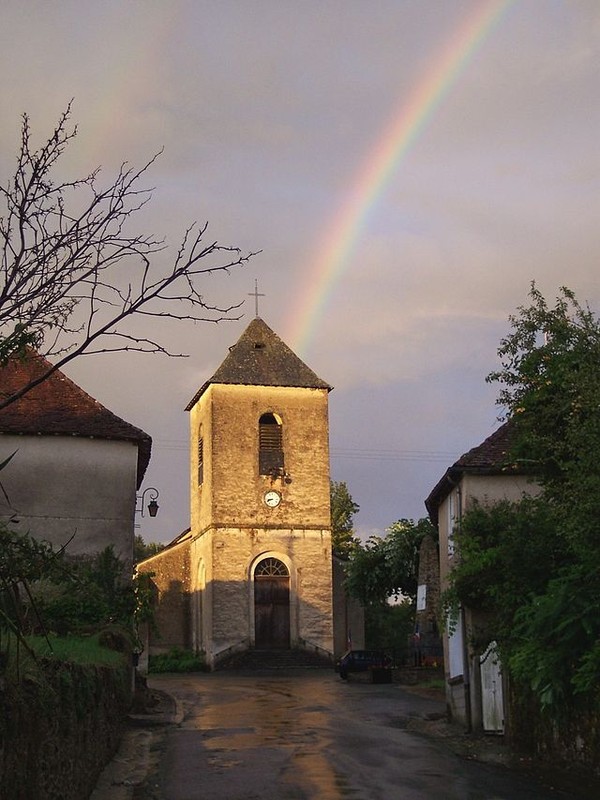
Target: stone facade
[(428, 649), (255, 569), (57, 732), (172, 586)]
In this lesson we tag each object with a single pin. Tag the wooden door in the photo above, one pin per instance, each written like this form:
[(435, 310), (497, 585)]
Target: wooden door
[(492, 697), (272, 605)]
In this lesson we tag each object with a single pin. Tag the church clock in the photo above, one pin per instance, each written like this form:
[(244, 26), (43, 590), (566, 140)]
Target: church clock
[(272, 498)]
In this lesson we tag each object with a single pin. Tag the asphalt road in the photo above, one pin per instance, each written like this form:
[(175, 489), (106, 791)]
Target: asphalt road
[(307, 735)]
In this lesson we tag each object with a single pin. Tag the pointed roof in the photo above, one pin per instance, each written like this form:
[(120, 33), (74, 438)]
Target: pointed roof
[(57, 406), (491, 457), (261, 358)]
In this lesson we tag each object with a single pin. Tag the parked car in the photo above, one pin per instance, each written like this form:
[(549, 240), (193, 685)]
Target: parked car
[(361, 661)]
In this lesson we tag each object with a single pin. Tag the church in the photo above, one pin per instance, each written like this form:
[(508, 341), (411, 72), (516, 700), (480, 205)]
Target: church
[(254, 572)]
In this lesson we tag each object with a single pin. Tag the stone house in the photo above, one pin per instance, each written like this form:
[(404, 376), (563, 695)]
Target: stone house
[(77, 466), (474, 684), (254, 570), (427, 648)]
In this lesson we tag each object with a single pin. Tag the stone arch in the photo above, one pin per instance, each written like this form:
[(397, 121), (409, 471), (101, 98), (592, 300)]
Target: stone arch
[(272, 601)]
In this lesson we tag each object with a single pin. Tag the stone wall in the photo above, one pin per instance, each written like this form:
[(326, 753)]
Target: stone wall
[(427, 649), (348, 615), (57, 732), (170, 572), (232, 491), (231, 555), (571, 739)]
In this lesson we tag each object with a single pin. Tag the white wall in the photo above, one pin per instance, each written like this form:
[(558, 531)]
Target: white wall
[(65, 486)]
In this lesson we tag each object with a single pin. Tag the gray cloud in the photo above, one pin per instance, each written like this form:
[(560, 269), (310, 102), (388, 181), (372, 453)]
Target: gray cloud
[(267, 111)]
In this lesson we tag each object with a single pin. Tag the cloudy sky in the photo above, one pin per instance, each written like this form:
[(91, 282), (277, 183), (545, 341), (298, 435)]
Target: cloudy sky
[(272, 115)]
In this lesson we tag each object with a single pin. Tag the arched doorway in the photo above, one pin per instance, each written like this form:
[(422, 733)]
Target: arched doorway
[(272, 605)]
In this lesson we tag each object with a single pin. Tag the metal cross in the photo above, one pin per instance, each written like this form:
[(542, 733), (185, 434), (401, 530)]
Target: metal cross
[(256, 294)]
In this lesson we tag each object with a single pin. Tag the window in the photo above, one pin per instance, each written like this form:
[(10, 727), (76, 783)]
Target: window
[(271, 568), (200, 461), (270, 445)]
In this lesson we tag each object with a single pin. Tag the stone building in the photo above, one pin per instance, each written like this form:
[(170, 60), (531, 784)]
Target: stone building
[(484, 475), (427, 641), (254, 570), (76, 465)]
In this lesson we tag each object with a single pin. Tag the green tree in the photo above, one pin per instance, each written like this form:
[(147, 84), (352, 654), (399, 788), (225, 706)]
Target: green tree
[(535, 564), (388, 566), (143, 550), (343, 509), (389, 626), (550, 379)]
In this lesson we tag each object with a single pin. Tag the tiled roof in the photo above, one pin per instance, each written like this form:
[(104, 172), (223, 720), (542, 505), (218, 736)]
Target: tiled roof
[(57, 406), (261, 358), (491, 454), (491, 457)]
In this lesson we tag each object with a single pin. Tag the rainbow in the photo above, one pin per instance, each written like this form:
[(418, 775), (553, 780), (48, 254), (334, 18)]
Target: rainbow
[(400, 134)]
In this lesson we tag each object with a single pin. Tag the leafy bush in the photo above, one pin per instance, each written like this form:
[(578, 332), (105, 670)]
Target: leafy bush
[(388, 627), (533, 565), (177, 660)]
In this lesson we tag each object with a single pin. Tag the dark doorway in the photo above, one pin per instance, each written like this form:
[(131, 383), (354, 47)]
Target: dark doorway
[(272, 605)]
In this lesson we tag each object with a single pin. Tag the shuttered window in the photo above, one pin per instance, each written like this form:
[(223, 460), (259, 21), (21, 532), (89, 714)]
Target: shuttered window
[(270, 445), (200, 461)]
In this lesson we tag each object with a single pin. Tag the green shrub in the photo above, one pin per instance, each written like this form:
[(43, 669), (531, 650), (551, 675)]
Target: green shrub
[(177, 660)]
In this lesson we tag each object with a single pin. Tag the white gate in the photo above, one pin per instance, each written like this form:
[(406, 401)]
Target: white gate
[(492, 698)]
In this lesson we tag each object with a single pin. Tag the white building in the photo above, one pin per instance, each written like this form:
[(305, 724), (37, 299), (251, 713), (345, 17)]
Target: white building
[(76, 465)]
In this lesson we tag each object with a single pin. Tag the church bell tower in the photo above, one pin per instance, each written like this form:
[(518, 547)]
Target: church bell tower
[(260, 538)]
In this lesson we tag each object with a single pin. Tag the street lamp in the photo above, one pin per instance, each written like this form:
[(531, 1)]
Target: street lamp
[(152, 505)]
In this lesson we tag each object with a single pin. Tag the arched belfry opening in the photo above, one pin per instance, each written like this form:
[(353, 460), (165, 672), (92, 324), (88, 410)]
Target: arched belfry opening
[(271, 605)]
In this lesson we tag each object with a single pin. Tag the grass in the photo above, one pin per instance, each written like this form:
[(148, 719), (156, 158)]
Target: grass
[(78, 649), (177, 660), (434, 683), (75, 649)]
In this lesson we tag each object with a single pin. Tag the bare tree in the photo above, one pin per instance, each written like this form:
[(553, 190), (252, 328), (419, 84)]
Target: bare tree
[(73, 278)]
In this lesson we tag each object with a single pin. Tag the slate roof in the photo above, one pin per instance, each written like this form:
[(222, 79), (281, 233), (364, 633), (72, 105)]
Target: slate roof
[(59, 407), (261, 358), (491, 457)]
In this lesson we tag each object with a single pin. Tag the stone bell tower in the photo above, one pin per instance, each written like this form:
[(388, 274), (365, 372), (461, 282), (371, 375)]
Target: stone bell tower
[(260, 538)]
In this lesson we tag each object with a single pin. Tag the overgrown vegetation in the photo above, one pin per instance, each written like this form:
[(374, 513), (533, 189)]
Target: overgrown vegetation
[(384, 568), (43, 593), (389, 627), (143, 549), (534, 565), (343, 509), (387, 566)]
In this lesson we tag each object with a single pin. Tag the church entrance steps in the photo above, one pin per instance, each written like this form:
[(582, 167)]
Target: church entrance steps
[(274, 659)]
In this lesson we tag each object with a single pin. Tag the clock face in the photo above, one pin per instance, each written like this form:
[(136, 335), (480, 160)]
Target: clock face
[(272, 499)]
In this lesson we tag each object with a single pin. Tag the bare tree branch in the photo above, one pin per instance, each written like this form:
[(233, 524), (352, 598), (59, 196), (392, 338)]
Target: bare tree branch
[(71, 274)]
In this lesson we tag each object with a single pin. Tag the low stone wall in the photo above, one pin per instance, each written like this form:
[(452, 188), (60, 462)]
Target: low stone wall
[(411, 676), (570, 739), (59, 729)]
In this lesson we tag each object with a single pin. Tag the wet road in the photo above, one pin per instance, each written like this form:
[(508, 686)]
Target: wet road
[(308, 735)]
